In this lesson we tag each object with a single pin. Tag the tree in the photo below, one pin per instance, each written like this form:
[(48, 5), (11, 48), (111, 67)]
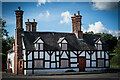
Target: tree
[(91, 32), (116, 59), (3, 25), (6, 42), (109, 39), (6, 45)]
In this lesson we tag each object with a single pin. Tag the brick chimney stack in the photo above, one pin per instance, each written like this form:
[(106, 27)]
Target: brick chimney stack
[(73, 22), (18, 38), (76, 25), (34, 24), (31, 26), (28, 25)]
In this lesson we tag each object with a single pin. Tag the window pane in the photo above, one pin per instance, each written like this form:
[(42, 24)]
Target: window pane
[(64, 46), (41, 46), (38, 63), (41, 54), (107, 63), (93, 64), (87, 63), (102, 54), (38, 46), (98, 54), (99, 46), (100, 63), (64, 63), (94, 56)]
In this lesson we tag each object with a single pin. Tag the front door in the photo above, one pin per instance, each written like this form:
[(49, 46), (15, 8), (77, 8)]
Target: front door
[(82, 63)]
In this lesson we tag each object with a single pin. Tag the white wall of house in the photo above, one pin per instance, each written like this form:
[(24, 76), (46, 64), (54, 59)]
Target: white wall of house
[(11, 57), (100, 54), (44, 71)]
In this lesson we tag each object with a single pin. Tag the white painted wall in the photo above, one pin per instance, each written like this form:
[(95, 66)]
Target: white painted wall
[(106, 56), (57, 52), (24, 55), (73, 65), (98, 54), (57, 64), (40, 41), (64, 55), (25, 72), (24, 64), (11, 57), (64, 41), (94, 56), (57, 58), (99, 42), (73, 59), (87, 55), (28, 71), (30, 56), (53, 57), (47, 56), (102, 54), (92, 69), (82, 54), (72, 54), (50, 71)]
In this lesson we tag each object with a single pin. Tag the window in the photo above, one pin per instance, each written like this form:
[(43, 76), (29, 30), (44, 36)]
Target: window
[(63, 43), (100, 54), (64, 63), (64, 46), (39, 44), (38, 63), (100, 63), (98, 45)]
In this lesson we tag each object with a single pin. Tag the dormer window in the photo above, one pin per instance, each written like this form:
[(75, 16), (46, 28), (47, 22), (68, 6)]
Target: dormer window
[(39, 44), (63, 43), (98, 44)]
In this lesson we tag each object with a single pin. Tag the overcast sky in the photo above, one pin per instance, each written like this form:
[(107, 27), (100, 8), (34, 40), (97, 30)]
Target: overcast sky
[(56, 16)]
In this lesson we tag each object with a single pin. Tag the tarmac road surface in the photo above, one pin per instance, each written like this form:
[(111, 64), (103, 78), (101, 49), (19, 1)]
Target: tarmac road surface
[(101, 76)]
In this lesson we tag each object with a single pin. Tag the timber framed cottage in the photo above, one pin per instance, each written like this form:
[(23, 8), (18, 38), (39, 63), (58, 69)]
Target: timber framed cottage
[(50, 52)]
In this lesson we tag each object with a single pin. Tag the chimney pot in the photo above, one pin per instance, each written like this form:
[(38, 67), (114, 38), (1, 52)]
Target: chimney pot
[(74, 14), (27, 20), (19, 8), (33, 20), (78, 13)]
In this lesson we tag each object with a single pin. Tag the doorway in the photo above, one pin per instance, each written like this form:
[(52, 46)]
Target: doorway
[(82, 63)]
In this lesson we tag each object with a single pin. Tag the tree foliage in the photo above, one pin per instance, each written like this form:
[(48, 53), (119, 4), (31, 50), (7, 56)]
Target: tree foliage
[(109, 39), (91, 32), (116, 59), (6, 41), (4, 31)]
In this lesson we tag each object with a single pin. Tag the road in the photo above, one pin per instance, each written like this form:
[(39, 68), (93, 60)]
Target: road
[(102, 76)]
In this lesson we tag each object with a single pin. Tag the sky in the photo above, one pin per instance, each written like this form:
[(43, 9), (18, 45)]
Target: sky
[(98, 17)]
